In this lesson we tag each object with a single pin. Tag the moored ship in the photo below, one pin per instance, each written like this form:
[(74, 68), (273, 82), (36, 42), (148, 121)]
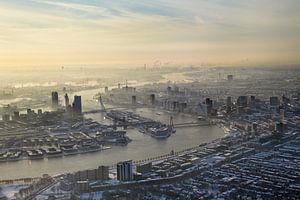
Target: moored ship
[(35, 154), (69, 149), (52, 152), (111, 136), (160, 132)]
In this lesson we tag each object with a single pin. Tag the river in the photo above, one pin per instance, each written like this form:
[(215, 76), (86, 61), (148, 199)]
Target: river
[(141, 147)]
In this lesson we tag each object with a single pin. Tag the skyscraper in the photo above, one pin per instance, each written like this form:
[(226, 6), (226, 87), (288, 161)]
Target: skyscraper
[(67, 101), (133, 100), (242, 101), (124, 171), (228, 104), (152, 99), (54, 99), (209, 106), (230, 77), (77, 108), (274, 101)]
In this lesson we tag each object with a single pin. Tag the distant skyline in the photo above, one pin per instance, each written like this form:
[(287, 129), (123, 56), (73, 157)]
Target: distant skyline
[(134, 32)]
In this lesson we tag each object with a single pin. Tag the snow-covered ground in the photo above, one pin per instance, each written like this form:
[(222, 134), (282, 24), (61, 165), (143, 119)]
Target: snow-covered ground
[(9, 190), (93, 195)]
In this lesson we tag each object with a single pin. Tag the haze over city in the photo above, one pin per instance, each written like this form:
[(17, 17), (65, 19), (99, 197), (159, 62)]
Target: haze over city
[(149, 100), (131, 33)]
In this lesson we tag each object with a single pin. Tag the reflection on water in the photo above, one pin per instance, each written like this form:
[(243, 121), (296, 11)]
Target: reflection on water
[(141, 147)]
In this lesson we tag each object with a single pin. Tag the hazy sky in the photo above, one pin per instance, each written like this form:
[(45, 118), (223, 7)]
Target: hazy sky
[(57, 32)]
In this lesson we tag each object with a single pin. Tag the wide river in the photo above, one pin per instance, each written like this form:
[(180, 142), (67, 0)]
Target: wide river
[(141, 147)]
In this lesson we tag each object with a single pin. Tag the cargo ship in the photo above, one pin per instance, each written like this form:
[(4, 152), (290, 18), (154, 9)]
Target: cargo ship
[(53, 152), (69, 149), (14, 155), (111, 136), (89, 148), (35, 154), (160, 132)]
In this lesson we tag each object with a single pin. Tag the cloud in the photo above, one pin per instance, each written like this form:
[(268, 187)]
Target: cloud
[(90, 31), (90, 9)]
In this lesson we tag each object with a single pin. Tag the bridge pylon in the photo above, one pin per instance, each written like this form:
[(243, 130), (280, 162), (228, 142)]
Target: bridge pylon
[(102, 107)]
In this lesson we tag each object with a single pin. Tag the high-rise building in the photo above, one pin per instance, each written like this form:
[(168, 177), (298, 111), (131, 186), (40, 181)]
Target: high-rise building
[(124, 171), (209, 106), (133, 100), (174, 105), (182, 106), (5, 117), (242, 101), (54, 99), (67, 100), (252, 100), (77, 107), (285, 100), (16, 116), (152, 99), (103, 173), (228, 104), (274, 101), (281, 127), (40, 112), (176, 89), (254, 127), (144, 168), (281, 112), (169, 90)]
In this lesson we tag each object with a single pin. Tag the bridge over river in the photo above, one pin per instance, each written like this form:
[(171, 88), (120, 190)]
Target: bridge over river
[(148, 122)]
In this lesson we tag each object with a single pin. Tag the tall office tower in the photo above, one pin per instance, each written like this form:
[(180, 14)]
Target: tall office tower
[(176, 89), (144, 168), (254, 127), (16, 115), (6, 117), (67, 101), (230, 77), (209, 105), (285, 100), (40, 112), (77, 108), (133, 100), (281, 127), (174, 105), (124, 171), (281, 112), (169, 90), (274, 101), (252, 100), (242, 101), (228, 104), (54, 99), (152, 99), (103, 173), (182, 106)]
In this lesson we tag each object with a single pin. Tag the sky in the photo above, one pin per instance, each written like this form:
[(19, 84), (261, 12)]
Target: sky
[(134, 32)]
